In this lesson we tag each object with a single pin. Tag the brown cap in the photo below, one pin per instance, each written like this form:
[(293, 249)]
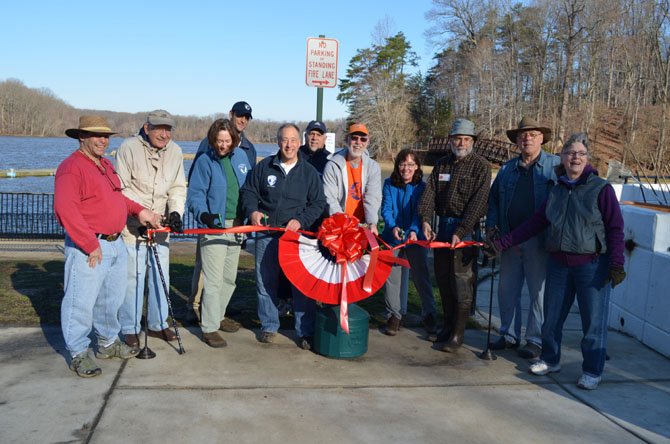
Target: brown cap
[(528, 124)]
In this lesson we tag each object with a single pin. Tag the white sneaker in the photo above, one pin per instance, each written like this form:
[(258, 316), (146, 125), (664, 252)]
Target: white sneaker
[(542, 368), (587, 382)]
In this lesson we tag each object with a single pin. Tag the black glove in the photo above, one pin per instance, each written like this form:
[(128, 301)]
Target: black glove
[(210, 219), (616, 276), (490, 249), (492, 233), (142, 230), (174, 222)]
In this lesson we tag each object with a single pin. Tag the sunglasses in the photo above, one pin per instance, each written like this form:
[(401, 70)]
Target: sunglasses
[(357, 138), (114, 186)]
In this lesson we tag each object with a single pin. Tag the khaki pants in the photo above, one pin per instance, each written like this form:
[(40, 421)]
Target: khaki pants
[(220, 254)]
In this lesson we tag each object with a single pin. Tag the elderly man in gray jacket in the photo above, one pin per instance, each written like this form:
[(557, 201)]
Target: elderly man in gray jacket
[(151, 168), (352, 180)]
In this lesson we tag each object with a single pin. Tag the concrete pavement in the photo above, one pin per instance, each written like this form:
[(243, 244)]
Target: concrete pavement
[(400, 391)]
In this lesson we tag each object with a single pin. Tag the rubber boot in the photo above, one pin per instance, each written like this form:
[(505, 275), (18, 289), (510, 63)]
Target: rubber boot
[(448, 321), (456, 339)]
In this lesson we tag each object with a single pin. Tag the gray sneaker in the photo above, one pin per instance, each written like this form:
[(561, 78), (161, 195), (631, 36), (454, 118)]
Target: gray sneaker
[(117, 349), (83, 365)]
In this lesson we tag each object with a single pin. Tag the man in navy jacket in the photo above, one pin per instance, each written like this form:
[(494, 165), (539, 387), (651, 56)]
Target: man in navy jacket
[(283, 190)]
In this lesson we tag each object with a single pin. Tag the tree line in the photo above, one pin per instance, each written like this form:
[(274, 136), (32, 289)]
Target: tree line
[(600, 66), (38, 112)]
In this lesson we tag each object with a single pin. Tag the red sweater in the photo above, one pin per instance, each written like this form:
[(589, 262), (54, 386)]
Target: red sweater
[(88, 200)]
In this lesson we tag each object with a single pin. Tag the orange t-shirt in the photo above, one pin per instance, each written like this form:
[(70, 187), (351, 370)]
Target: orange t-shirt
[(354, 203)]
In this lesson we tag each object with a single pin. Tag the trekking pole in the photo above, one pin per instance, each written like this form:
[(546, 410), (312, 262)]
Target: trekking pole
[(146, 352), (487, 354), (151, 243)]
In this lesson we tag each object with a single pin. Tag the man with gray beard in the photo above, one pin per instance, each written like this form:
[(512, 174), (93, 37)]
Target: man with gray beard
[(457, 192)]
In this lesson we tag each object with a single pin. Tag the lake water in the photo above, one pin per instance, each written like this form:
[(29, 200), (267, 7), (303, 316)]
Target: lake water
[(23, 153)]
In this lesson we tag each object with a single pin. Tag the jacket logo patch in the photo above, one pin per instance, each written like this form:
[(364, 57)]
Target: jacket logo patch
[(272, 180), (243, 168)]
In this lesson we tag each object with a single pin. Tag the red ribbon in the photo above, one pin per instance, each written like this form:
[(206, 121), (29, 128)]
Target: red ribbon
[(345, 239)]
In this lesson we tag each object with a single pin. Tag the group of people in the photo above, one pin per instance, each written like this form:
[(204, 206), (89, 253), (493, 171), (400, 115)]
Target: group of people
[(550, 217)]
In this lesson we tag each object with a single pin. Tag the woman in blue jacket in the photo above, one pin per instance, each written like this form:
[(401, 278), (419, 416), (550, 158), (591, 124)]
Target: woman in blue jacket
[(401, 195), (213, 199)]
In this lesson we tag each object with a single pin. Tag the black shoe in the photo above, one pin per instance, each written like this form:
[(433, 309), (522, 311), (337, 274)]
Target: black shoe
[(305, 342), (429, 324), (440, 336), (530, 351), (502, 344)]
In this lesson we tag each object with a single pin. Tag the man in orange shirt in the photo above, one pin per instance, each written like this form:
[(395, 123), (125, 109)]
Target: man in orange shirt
[(352, 180)]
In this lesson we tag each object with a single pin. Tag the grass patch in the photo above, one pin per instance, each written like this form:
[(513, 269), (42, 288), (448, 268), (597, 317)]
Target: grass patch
[(31, 293)]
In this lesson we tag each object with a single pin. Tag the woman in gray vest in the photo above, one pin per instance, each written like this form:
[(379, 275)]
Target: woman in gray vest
[(584, 239)]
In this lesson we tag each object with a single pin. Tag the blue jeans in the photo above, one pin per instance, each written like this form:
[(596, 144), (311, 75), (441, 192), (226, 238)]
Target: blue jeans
[(92, 295), (267, 278), (397, 284), (584, 282), (526, 261), (141, 260)]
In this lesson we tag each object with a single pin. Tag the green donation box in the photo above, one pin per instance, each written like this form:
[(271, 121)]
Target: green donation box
[(329, 338)]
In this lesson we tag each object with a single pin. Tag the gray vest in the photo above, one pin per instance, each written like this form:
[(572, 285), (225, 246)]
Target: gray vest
[(576, 222)]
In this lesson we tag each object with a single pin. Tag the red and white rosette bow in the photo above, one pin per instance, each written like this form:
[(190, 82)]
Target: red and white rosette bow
[(344, 264)]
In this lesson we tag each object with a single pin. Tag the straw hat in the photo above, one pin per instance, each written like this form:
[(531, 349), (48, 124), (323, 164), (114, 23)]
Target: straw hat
[(528, 124), (90, 124)]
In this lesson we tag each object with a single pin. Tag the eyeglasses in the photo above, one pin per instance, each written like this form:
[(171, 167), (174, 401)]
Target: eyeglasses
[(407, 165), (357, 138), (576, 153)]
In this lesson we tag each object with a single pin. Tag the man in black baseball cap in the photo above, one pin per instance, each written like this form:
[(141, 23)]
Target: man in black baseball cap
[(314, 149)]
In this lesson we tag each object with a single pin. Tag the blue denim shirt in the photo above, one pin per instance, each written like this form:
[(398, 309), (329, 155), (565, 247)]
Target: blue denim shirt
[(502, 190)]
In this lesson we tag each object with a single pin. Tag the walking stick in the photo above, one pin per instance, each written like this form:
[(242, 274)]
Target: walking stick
[(487, 354), (151, 243)]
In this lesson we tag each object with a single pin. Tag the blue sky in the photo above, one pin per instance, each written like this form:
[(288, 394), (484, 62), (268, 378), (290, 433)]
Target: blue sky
[(193, 58)]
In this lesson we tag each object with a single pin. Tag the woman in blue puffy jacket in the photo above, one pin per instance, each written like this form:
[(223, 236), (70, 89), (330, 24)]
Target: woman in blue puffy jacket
[(401, 195), (213, 198)]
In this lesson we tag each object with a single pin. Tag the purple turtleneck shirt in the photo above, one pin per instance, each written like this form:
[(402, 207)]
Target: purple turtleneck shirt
[(611, 215)]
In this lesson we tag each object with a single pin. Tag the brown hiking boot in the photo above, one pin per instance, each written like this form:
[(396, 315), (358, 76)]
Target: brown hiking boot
[(229, 325), (132, 340), (166, 334), (392, 326), (214, 340)]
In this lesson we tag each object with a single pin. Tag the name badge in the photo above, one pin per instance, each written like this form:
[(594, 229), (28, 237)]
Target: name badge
[(444, 177)]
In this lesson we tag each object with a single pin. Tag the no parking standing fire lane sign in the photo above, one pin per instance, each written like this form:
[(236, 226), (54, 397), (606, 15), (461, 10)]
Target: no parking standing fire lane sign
[(321, 68)]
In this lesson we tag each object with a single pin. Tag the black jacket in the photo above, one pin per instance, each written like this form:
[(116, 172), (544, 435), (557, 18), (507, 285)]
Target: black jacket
[(298, 195), (318, 159)]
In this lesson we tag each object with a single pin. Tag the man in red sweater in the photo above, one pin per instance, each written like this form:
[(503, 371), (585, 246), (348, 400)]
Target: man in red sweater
[(90, 207)]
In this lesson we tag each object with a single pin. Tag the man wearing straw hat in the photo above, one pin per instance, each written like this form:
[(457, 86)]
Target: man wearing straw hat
[(151, 167), (520, 187), (456, 191), (91, 208)]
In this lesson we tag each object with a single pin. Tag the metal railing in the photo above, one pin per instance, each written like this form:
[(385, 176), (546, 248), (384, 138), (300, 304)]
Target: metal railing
[(30, 216)]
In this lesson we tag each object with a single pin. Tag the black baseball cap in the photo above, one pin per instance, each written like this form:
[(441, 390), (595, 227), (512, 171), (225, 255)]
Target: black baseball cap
[(316, 125), (242, 109)]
